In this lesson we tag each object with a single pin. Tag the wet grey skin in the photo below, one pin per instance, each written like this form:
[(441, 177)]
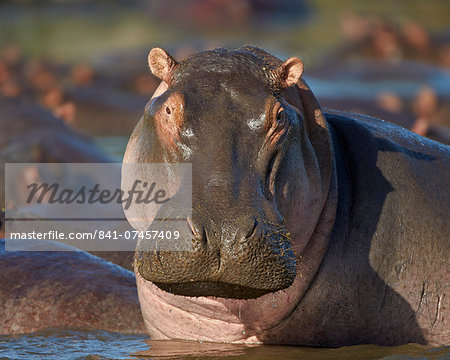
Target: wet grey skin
[(347, 214)]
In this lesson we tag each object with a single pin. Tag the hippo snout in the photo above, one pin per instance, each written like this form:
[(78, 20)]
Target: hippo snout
[(243, 259)]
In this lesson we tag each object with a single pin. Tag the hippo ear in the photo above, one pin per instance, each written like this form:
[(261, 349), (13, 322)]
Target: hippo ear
[(161, 64), (290, 72)]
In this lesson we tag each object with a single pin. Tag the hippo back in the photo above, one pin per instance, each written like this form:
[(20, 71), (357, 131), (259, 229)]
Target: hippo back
[(394, 189)]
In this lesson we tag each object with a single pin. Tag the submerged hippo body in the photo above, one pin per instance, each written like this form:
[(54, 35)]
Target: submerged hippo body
[(65, 289), (308, 228)]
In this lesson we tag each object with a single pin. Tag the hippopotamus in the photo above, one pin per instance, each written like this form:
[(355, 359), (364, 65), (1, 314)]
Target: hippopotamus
[(308, 227), (32, 134), (65, 288)]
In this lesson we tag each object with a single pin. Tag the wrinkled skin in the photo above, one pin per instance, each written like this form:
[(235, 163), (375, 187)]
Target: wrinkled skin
[(308, 228)]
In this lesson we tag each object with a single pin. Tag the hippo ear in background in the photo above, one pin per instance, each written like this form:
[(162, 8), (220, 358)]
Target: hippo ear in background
[(290, 72), (161, 64)]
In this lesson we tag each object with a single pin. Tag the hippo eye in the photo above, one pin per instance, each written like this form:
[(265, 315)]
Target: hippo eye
[(280, 115), (280, 112), (278, 125), (168, 110)]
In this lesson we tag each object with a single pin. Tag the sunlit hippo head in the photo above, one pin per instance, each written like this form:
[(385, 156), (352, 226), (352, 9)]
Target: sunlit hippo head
[(260, 170)]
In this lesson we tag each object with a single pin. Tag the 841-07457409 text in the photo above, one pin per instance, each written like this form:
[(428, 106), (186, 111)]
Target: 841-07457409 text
[(98, 235)]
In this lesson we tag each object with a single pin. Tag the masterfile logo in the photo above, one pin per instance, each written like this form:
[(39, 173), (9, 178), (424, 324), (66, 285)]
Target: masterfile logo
[(98, 206)]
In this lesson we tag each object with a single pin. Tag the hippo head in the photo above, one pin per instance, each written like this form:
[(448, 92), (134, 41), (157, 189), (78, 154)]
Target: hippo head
[(259, 183)]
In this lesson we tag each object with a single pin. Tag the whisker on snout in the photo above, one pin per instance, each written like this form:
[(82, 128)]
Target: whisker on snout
[(198, 235), (192, 227)]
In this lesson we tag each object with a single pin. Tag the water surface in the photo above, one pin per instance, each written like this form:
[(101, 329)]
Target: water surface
[(92, 345)]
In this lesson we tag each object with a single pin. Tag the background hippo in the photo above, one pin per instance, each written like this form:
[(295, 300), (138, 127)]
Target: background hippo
[(307, 228), (59, 289), (65, 289), (32, 134)]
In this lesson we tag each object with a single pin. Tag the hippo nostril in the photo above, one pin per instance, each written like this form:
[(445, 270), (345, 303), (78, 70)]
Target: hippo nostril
[(252, 230)]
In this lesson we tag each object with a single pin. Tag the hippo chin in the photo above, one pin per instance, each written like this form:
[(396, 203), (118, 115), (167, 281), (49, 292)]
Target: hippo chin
[(308, 227)]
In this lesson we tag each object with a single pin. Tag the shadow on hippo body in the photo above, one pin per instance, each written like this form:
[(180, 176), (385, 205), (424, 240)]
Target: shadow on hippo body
[(349, 303), (371, 269)]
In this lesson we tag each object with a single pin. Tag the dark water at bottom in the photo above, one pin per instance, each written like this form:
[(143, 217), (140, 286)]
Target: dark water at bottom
[(100, 345)]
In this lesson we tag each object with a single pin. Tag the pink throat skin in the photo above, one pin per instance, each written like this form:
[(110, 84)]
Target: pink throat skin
[(169, 316)]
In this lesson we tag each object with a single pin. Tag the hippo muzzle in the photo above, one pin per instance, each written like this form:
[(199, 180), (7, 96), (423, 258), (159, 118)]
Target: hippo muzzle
[(238, 256)]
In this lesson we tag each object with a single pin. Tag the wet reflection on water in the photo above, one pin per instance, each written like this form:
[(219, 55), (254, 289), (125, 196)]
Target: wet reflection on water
[(188, 350), (67, 344), (96, 345)]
